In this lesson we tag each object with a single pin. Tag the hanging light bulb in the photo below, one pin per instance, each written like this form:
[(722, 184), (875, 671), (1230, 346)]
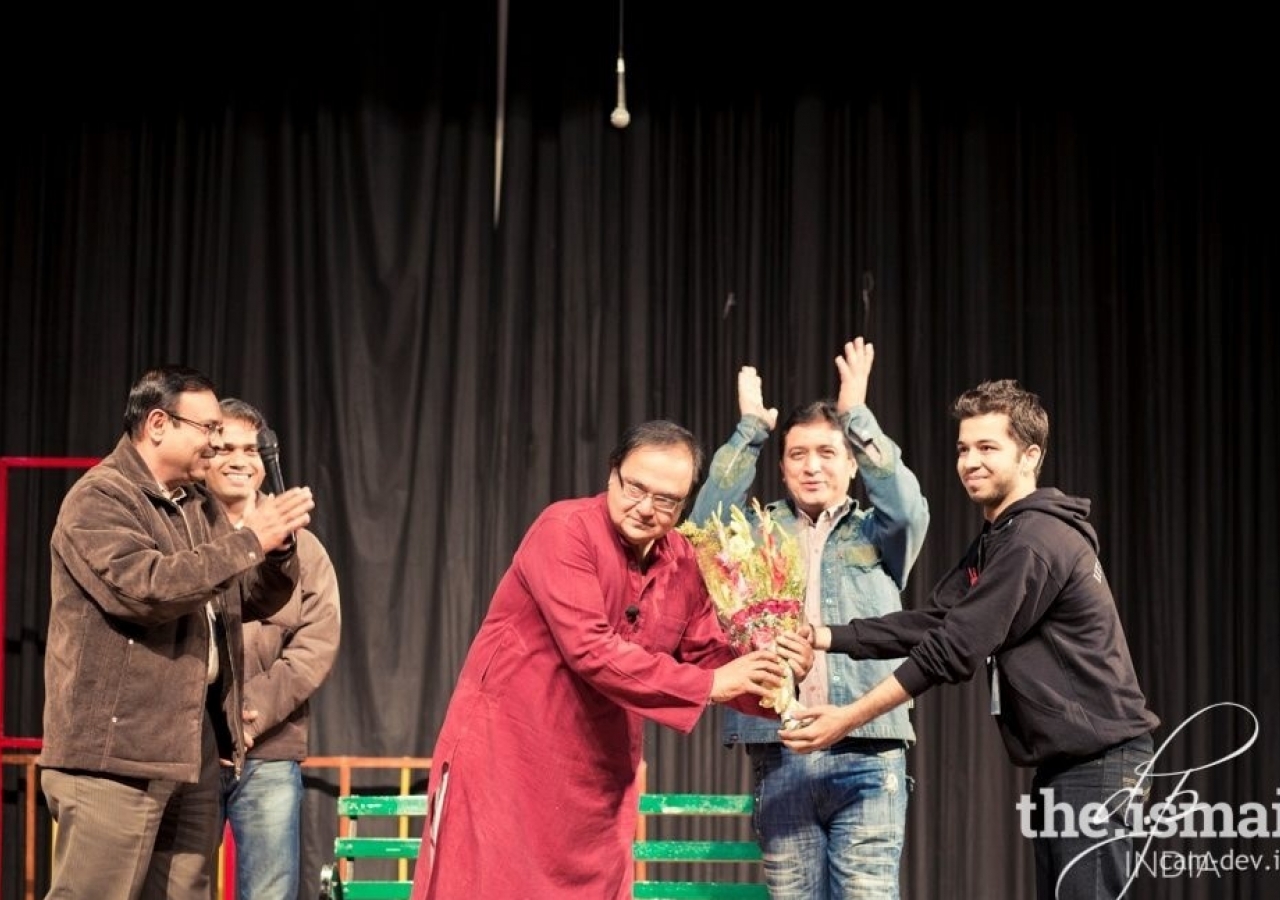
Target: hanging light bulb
[(620, 118)]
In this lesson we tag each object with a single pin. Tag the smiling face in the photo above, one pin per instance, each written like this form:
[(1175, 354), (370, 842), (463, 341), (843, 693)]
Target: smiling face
[(995, 470), (817, 467), (237, 471), (177, 442)]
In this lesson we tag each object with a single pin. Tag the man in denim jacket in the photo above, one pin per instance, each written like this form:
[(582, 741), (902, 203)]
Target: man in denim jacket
[(830, 824)]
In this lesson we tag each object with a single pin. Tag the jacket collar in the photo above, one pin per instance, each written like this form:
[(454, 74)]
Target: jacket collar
[(126, 460)]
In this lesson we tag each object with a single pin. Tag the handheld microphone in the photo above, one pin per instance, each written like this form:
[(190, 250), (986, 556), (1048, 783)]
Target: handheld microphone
[(633, 613), (269, 450)]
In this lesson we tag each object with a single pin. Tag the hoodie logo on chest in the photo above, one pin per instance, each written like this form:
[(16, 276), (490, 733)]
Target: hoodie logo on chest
[(1097, 571)]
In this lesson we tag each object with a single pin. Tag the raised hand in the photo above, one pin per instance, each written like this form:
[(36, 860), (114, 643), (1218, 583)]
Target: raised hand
[(855, 371), (751, 397)]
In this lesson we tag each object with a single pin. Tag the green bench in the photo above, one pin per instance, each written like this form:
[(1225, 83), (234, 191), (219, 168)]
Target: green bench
[(355, 853), (649, 850)]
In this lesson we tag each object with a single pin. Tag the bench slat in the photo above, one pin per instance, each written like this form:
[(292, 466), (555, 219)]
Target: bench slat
[(696, 851), (696, 804), (376, 848), (699, 890), (377, 890), (408, 805)]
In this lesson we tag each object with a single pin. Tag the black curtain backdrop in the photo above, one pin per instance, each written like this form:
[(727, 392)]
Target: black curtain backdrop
[(305, 209)]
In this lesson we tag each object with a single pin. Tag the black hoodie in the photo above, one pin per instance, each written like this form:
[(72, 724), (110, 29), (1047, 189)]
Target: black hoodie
[(1031, 595)]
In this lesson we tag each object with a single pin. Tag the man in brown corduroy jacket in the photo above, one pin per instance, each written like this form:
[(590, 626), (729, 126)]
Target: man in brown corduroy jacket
[(143, 663)]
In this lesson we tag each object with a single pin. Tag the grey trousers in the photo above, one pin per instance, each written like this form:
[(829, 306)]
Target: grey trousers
[(129, 838)]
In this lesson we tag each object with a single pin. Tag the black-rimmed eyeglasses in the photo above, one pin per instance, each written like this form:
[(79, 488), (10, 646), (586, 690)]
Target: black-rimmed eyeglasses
[(636, 493)]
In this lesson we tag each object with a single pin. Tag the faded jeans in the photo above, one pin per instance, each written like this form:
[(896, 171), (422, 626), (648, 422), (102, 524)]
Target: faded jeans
[(830, 823), (264, 806)]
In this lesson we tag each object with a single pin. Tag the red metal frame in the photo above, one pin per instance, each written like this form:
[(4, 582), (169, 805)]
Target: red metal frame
[(6, 463)]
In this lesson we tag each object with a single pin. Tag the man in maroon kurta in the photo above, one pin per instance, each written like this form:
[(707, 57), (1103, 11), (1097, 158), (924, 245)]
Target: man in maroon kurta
[(601, 621)]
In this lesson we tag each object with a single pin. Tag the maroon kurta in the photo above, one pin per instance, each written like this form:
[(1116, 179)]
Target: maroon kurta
[(543, 734)]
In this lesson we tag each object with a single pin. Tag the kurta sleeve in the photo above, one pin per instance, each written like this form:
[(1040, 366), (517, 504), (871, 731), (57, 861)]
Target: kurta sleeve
[(573, 572)]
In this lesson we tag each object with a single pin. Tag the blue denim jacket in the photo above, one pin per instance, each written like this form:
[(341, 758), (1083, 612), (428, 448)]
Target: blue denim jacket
[(864, 564)]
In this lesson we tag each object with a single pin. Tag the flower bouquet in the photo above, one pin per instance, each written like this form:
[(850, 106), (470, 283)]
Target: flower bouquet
[(756, 580)]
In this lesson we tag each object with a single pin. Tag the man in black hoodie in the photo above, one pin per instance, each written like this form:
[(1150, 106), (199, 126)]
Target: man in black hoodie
[(1029, 598)]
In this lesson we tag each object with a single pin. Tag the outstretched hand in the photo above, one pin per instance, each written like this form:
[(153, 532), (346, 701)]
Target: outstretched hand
[(751, 397), (820, 727), (855, 371)]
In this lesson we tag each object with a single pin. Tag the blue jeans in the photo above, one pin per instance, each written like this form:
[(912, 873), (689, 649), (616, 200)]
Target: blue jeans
[(830, 823), (1079, 866), (264, 806)]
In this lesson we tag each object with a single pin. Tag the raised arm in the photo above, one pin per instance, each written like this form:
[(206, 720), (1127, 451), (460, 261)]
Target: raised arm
[(733, 467), (900, 514)]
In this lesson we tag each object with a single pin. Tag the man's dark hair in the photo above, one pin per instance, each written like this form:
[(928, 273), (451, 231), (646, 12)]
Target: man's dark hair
[(159, 388), (235, 408), (658, 433), (1028, 421), (816, 413)]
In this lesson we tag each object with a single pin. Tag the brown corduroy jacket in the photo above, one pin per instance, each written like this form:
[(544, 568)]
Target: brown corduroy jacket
[(127, 659)]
